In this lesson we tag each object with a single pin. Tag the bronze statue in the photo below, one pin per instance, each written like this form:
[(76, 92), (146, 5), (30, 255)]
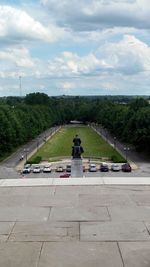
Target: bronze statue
[(77, 149)]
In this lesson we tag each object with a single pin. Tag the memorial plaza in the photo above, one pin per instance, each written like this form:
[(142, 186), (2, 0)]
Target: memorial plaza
[(75, 222)]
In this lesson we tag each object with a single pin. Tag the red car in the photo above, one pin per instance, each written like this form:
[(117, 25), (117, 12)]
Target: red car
[(65, 175), (126, 167)]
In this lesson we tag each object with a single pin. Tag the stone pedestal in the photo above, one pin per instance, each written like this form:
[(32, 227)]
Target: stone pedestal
[(76, 168)]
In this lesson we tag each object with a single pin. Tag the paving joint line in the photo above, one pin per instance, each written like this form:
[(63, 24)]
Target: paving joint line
[(38, 261), (120, 254), (11, 231), (49, 214), (146, 228)]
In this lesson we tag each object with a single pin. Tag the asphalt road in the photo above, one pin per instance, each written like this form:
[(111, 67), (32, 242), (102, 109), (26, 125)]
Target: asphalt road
[(140, 159), (26, 149)]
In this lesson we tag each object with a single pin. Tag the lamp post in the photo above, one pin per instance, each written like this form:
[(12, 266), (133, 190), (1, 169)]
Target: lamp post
[(37, 144), (115, 138), (126, 149), (26, 150)]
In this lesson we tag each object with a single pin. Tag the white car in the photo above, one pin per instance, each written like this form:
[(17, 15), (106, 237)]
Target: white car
[(115, 167), (92, 168), (37, 169), (27, 168), (47, 168), (59, 169)]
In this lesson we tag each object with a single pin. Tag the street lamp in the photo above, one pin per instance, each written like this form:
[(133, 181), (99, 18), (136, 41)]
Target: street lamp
[(126, 149), (37, 143), (44, 139), (26, 150), (115, 138)]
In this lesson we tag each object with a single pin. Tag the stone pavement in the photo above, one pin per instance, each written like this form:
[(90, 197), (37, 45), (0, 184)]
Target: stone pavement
[(75, 226)]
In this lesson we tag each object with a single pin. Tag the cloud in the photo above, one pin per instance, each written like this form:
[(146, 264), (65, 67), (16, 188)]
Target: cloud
[(70, 64), (90, 15), (18, 55), (129, 56), (16, 25)]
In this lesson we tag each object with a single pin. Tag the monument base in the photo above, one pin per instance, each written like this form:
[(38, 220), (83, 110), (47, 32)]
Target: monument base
[(76, 167)]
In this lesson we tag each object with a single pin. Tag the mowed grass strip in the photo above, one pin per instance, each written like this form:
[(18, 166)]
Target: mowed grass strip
[(60, 145)]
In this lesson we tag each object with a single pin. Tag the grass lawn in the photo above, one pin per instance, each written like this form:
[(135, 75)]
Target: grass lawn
[(60, 145)]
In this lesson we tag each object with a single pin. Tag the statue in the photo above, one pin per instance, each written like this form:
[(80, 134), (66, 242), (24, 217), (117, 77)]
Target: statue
[(77, 149)]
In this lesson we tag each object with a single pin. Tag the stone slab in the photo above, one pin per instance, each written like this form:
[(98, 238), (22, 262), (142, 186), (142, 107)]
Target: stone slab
[(109, 231), (127, 180), (6, 227), (3, 238), (5, 190), (51, 231), (136, 213), (32, 190), (24, 182), (52, 201), (105, 199), (135, 254), (148, 226), (79, 214), (77, 189), (24, 214), (13, 200), (80, 254), (78, 181), (27, 182), (141, 198), (19, 254)]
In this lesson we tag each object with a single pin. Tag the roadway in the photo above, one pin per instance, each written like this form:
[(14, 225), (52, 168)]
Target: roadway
[(13, 160), (139, 159)]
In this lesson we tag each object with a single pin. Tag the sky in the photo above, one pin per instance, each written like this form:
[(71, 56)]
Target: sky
[(70, 47)]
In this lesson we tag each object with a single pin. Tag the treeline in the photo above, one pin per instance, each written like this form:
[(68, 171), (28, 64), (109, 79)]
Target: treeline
[(20, 123), (22, 119)]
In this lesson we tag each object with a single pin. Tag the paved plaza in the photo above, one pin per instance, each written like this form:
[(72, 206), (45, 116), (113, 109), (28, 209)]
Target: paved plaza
[(99, 225)]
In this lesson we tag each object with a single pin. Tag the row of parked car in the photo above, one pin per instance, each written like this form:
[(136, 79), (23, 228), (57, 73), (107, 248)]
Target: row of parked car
[(91, 168), (47, 168), (114, 167)]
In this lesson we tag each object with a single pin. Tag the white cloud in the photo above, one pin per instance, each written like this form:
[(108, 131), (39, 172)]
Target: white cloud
[(90, 15), (129, 56), (16, 25), (18, 55), (70, 64)]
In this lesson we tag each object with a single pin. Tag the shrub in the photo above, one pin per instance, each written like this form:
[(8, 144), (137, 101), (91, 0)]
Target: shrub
[(35, 160), (118, 159)]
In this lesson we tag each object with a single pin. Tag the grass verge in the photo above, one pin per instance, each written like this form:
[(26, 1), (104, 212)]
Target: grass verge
[(60, 145)]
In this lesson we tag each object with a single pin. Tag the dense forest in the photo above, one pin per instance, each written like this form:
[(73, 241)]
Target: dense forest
[(22, 119)]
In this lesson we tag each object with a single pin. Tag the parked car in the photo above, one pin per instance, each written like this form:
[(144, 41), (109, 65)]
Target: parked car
[(37, 169), (84, 168), (59, 169), (115, 167), (104, 167), (92, 168), (65, 175), (126, 167), (68, 168), (27, 168), (47, 168)]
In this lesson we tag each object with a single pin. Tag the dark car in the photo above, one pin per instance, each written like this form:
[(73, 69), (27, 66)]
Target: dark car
[(104, 167), (126, 167), (68, 168), (65, 175)]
